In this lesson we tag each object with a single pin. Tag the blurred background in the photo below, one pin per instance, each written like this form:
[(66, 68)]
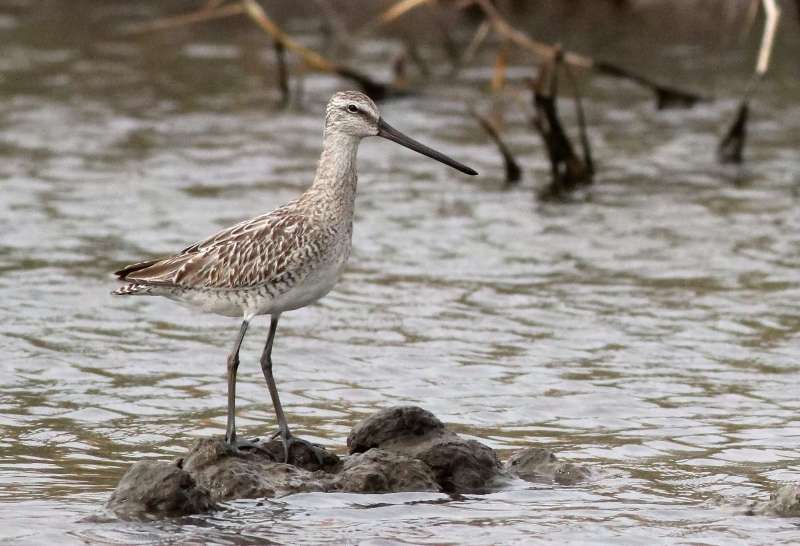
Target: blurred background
[(641, 319)]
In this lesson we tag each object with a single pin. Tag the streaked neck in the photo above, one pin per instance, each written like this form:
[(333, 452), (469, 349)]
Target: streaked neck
[(337, 164)]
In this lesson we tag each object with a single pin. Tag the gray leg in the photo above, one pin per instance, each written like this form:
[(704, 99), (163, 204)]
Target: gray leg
[(266, 367), (283, 425), (233, 366)]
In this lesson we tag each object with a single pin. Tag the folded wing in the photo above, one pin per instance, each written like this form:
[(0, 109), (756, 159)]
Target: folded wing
[(251, 253)]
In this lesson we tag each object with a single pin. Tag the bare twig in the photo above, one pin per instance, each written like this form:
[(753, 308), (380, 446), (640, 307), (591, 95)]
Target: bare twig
[(512, 168), (398, 10), (666, 96), (773, 15), (311, 58)]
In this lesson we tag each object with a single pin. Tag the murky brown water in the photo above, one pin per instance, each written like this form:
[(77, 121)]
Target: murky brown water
[(651, 332)]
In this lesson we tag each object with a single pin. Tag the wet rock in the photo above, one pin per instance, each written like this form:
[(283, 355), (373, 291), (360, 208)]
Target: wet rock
[(785, 502), (379, 471), (158, 489), (540, 465), (394, 427), (397, 449), (459, 465), (254, 472)]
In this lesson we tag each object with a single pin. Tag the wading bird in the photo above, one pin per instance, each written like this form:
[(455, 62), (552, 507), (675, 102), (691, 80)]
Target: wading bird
[(282, 260)]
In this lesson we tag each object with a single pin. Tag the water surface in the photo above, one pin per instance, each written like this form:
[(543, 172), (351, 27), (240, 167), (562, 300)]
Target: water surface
[(650, 332)]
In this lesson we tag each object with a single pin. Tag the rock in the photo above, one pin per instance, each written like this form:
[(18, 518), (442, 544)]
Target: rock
[(397, 425), (378, 471), (459, 465), (158, 489), (398, 449), (250, 473), (785, 502), (463, 466), (540, 465)]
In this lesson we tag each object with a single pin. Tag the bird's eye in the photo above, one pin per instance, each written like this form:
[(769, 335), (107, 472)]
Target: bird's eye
[(352, 108)]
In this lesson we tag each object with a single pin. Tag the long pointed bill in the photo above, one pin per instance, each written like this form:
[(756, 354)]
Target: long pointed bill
[(387, 131)]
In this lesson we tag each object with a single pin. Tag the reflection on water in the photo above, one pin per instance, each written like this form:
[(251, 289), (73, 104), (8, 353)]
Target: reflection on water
[(651, 332)]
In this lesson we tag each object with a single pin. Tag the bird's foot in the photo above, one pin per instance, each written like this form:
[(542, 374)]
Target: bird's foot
[(237, 446), (298, 447)]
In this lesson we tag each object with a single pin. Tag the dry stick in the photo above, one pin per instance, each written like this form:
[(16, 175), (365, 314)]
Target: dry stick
[(396, 11), (311, 58), (205, 14), (512, 168), (666, 96), (731, 147)]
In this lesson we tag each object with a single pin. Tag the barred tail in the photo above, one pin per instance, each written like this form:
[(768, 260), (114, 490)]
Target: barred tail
[(133, 289)]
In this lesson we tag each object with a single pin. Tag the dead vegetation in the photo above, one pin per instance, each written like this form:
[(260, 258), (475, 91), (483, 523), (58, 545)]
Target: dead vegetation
[(571, 166)]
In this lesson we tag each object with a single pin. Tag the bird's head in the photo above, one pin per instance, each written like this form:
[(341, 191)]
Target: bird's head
[(355, 114)]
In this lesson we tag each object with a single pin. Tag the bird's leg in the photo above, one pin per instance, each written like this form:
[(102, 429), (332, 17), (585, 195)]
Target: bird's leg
[(233, 366), (283, 426)]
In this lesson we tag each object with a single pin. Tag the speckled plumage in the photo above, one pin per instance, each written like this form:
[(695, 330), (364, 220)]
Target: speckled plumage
[(275, 262), (282, 260)]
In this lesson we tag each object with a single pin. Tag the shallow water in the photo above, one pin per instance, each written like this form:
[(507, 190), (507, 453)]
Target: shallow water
[(650, 332)]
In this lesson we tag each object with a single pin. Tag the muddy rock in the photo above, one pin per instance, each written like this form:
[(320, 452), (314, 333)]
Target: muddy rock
[(394, 427), (540, 465), (379, 471), (158, 489), (398, 449), (252, 473), (459, 465)]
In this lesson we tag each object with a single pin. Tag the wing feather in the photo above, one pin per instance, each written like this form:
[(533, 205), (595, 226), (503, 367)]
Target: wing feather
[(250, 253)]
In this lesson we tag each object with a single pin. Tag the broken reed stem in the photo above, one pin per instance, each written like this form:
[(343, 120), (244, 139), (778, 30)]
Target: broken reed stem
[(666, 96), (208, 13), (512, 169), (311, 58), (731, 147), (773, 15)]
